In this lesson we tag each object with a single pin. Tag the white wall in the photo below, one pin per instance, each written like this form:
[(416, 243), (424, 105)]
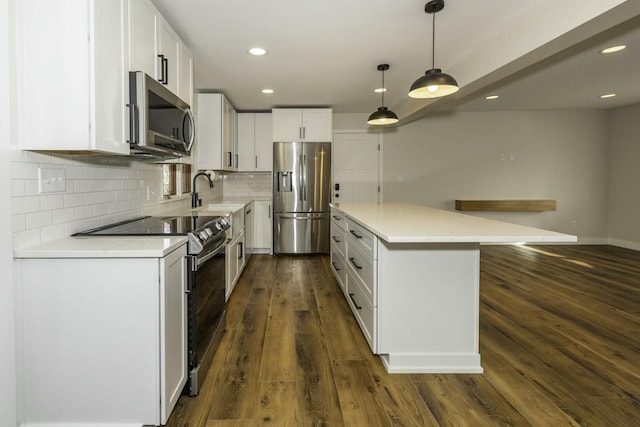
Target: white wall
[(556, 155), (8, 391), (624, 177)]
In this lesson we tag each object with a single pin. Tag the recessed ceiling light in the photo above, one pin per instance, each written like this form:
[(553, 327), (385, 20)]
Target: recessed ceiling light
[(492, 97), (267, 91), (257, 51), (608, 95), (613, 49), (380, 90)]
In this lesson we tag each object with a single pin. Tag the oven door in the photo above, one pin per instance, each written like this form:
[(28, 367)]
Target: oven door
[(206, 317)]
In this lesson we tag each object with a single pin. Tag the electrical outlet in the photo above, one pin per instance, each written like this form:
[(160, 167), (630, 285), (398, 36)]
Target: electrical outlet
[(52, 180)]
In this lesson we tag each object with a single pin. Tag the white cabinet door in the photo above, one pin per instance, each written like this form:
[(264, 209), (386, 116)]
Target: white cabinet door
[(255, 147), (86, 61), (263, 142), (143, 30), (168, 57), (173, 331), (246, 142), (317, 124), (262, 231), (249, 213), (305, 124), (216, 132), (287, 124), (185, 91)]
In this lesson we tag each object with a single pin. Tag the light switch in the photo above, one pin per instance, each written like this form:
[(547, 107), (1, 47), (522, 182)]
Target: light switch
[(52, 180)]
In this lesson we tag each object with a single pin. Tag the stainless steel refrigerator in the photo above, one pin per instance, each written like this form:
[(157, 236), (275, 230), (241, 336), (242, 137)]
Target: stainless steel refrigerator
[(301, 195)]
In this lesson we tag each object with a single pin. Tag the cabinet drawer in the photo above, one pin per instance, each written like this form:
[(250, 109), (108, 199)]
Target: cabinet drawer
[(362, 309), (363, 267), (338, 267), (363, 238), (339, 220), (339, 239)]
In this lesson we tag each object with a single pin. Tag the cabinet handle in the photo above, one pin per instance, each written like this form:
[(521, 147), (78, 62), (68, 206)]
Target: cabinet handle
[(337, 218), (304, 132), (229, 157), (335, 239), (300, 132), (248, 212), (236, 161), (240, 247), (162, 69), (358, 307), (359, 236), (353, 261), (335, 267), (165, 62), (256, 162), (269, 211)]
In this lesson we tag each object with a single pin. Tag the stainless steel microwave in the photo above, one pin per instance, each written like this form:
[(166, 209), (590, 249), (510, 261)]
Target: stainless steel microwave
[(160, 123)]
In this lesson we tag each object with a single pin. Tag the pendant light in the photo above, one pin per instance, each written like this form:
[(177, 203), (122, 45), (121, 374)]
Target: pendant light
[(383, 116), (434, 83)]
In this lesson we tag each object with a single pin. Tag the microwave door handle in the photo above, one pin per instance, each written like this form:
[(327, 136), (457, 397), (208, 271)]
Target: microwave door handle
[(134, 120), (192, 125)]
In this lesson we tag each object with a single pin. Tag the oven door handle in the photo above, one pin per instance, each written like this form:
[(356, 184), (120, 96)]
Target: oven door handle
[(207, 257)]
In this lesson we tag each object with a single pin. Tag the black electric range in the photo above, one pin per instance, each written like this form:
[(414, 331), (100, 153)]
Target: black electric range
[(203, 231)]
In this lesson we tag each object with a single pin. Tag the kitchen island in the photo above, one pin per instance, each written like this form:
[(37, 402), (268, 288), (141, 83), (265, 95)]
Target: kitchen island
[(411, 275)]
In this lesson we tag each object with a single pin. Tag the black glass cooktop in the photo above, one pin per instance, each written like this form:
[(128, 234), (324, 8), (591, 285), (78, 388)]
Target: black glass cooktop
[(150, 226)]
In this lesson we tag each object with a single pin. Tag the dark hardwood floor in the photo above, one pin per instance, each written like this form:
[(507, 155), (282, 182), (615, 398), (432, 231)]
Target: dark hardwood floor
[(559, 340)]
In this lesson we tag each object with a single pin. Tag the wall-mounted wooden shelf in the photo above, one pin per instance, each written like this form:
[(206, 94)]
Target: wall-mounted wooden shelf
[(506, 205)]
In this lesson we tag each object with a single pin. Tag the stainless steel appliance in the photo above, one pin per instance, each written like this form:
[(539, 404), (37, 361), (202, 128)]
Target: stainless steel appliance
[(160, 123), (207, 237), (301, 195)]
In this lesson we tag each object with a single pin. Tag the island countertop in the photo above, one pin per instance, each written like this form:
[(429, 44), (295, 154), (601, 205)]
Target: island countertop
[(409, 223)]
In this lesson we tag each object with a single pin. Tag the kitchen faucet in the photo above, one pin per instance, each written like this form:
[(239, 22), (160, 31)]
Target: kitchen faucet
[(194, 195)]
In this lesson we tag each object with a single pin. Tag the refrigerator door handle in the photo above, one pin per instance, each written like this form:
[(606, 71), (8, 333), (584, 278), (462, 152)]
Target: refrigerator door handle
[(304, 178), (301, 178)]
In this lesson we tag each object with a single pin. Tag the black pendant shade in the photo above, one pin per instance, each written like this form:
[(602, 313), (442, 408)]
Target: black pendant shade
[(434, 83), (383, 116)]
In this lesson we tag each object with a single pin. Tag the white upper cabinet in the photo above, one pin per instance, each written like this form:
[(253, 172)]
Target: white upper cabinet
[(71, 75), (302, 124), (157, 50), (216, 120), (185, 91), (255, 147)]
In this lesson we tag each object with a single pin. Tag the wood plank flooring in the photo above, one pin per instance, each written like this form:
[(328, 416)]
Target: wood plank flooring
[(559, 340)]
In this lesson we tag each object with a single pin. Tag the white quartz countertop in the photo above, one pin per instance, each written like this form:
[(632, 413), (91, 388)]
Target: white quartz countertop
[(408, 223), (104, 247)]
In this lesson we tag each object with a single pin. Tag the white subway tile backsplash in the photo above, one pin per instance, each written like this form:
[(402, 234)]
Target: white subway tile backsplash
[(19, 222), (99, 185), (38, 219), (63, 215), (35, 157), (51, 202), (24, 239), (82, 186), (31, 187), (18, 187), (21, 170), (25, 204), (101, 209), (52, 232), (114, 184), (83, 212), (73, 200)]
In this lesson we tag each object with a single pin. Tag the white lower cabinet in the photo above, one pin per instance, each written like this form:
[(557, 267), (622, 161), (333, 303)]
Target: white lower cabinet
[(102, 340), (262, 226), (235, 262)]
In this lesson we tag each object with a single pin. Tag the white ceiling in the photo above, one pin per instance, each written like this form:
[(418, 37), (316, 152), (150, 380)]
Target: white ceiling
[(325, 53)]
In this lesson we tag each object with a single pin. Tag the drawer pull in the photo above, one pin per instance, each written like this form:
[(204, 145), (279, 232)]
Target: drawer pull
[(359, 236), (358, 307), (353, 261), (335, 239), (335, 267), (337, 218)]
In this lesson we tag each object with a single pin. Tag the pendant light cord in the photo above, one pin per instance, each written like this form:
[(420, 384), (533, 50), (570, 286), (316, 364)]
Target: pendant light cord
[(383, 88), (433, 42)]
